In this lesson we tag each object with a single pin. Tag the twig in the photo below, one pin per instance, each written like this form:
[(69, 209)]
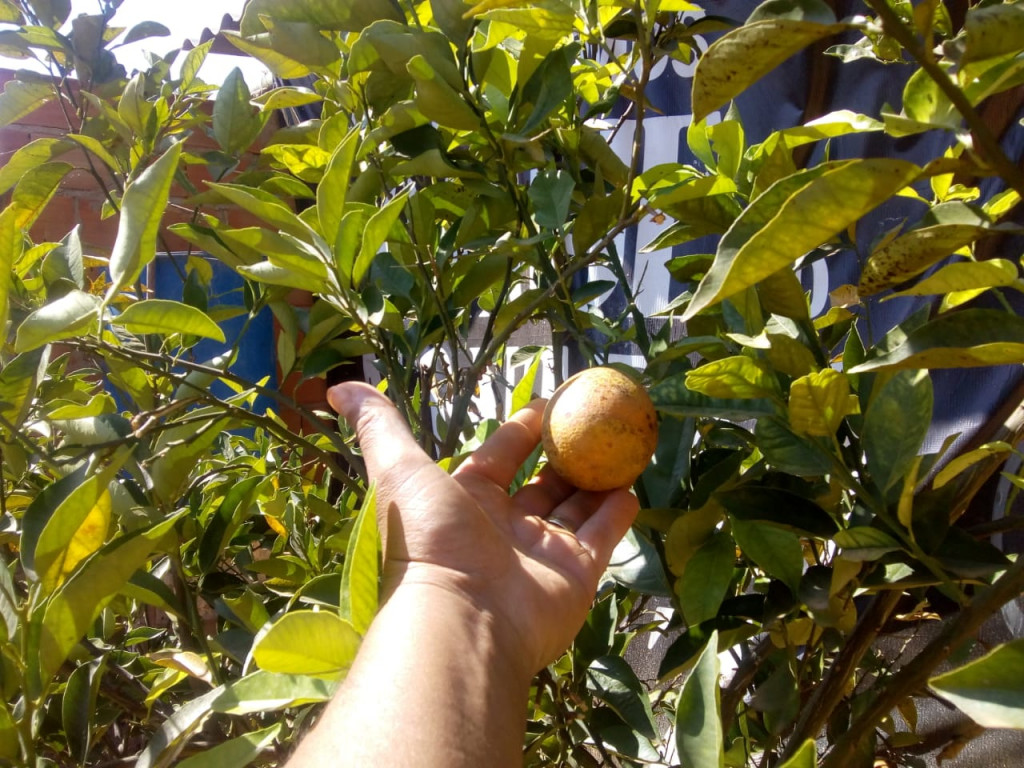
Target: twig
[(992, 151), (914, 675)]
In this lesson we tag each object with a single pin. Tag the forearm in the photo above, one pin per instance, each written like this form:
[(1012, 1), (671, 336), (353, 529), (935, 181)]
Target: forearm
[(431, 686)]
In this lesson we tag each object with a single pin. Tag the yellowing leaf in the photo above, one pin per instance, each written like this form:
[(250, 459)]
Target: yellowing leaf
[(87, 539), (738, 376), (307, 643), (818, 402), (276, 525), (965, 276), (969, 459), (793, 216), (741, 57), (191, 664)]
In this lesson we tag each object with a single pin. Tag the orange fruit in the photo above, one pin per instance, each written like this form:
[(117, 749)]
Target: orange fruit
[(600, 429)]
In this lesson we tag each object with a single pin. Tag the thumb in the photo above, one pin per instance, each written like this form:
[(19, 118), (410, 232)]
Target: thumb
[(383, 434)]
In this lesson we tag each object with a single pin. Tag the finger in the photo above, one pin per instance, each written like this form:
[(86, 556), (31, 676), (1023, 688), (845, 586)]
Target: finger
[(383, 434), (576, 509), (603, 530), (543, 493), (503, 453)]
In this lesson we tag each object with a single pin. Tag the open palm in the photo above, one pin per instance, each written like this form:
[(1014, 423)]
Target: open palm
[(466, 534)]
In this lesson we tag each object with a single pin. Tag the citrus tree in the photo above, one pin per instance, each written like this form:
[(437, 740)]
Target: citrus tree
[(186, 578)]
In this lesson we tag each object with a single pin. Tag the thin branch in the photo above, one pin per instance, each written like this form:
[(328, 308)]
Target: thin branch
[(914, 675), (991, 150)]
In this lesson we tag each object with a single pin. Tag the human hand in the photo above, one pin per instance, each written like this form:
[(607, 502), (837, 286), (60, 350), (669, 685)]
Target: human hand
[(531, 580)]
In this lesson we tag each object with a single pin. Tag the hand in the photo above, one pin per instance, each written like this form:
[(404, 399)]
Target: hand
[(530, 579)]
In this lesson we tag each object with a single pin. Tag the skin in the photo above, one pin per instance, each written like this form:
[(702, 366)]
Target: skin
[(481, 591)]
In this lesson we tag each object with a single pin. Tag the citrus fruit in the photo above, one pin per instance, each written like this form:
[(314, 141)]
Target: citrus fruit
[(600, 429)]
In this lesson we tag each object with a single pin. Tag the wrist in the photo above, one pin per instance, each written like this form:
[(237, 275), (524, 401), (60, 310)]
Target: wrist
[(435, 601)]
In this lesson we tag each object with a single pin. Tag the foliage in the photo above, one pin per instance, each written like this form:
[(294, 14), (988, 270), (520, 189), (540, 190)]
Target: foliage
[(169, 542)]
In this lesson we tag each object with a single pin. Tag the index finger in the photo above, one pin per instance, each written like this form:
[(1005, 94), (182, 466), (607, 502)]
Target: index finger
[(503, 453)]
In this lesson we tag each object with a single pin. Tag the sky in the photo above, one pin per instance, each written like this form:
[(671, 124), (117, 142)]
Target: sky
[(186, 20)]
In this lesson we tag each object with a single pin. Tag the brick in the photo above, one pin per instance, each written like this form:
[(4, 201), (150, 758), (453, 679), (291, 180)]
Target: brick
[(97, 233), (59, 218)]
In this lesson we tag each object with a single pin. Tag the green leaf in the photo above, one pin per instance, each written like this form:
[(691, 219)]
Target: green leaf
[(698, 726), (235, 753), (377, 231), (142, 209), (162, 316), (785, 450), (613, 681), (551, 194), (862, 543), (178, 448), (267, 692), (805, 757), (682, 652), (545, 19), (523, 393), (895, 426), (818, 403), (73, 607), (34, 191), (78, 706), (134, 109), (743, 56), (991, 689), (438, 100), (674, 397), (449, 15), (286, 97), (993, 30), (333, 187), (65, 318), (10, 744), (9, 12), (143, 31), (52, 13), (778, 507), (31, 155), (256, 692), (796, 215), (261, 47), (307, 643), (165, 745), (236, 123), (965, 339), (739, 377), (271, 274), (18, 380), (64, 264), (21, 98), (635, 564), (96, 148), (12, 245), (233, 510), (706, 578), (775, 551), (265, 206), (194, 61), (360, 576), (342, 15), (547, 88)]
